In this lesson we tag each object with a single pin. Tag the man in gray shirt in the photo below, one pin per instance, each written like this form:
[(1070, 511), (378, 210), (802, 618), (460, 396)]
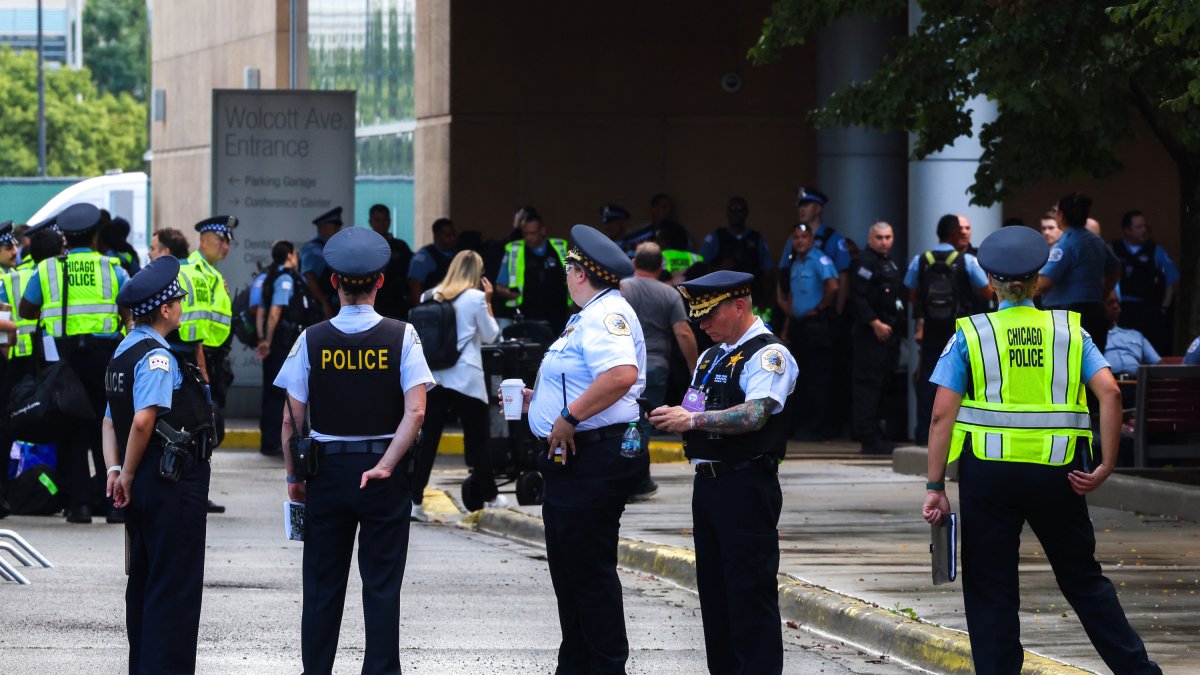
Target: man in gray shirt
[(660, 310)]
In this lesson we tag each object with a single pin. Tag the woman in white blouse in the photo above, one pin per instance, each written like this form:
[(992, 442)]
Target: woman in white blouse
[(462, 385)]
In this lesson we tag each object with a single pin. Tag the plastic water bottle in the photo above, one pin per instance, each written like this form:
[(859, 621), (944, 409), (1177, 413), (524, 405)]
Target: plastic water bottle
[(631, 442)]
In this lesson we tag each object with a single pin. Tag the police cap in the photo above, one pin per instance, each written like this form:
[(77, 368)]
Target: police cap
[(332, 216), (611, 212), (6, 233), (153, 286), (222, 225), (597, 254), (808, 194), (705, 293), (51, 223), (1013, 253), (356, 255), (78, 218)]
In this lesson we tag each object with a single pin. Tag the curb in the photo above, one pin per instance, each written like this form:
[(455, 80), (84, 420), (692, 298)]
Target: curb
[(868, 626), (661, 452), (1125, 493)]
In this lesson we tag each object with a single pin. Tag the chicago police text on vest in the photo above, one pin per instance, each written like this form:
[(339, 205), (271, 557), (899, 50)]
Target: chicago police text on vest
[(1025, 347), (358, 358), (81, 272)]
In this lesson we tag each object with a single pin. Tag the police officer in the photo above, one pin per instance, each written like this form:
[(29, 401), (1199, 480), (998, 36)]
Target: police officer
[(1081, 270), (876, 307), (1148, 281), (583, 402), (739, 248), (363, 378), (532, 274), (312, 262), (82, 287), (216, 235), (11, 281), (808, 304), (431, 262), (1010, 401), (734, 434), (158, 429)]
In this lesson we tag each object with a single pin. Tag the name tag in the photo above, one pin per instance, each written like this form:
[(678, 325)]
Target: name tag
[(363, 358), (693, 400)]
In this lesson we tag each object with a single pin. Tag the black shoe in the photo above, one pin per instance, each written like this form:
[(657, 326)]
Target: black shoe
[(644, 492), (79, 514), (215, 508), (115, 517)]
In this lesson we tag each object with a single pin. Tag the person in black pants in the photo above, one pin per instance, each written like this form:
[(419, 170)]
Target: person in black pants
[(876, 307), (159, 474), (462, 384), (363, 378), (278, 326), (734, 433)]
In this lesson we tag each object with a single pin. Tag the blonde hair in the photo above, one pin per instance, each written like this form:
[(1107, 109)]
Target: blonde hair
[(1015, 290), (464, 274)]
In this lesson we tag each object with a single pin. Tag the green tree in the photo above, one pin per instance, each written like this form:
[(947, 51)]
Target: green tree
[(1073, 80), (115, 35), (87, 132)]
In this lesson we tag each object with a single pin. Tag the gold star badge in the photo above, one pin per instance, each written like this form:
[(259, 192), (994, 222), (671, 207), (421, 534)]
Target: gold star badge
[(734, 359)]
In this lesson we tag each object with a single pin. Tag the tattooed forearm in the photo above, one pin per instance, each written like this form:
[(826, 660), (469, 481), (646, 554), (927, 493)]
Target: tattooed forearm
[(740, 419)]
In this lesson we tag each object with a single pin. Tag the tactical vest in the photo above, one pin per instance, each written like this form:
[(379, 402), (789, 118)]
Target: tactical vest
[(1140, 277), (90, 287), (215, 318), (743, 252), (441, 265), (190, 409), (14, 282), (1025, 400), (354, 383), (723, 391), (515, 250), (883, 287), (675, 261)]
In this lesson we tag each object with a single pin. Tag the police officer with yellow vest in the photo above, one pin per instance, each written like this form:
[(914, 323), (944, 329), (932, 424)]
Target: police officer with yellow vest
[(75, 299), (363, 378), (212, 316), (532, 274), (1010, 402)]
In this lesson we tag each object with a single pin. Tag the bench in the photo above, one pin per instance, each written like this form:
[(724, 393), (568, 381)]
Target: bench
[(1167, 413)]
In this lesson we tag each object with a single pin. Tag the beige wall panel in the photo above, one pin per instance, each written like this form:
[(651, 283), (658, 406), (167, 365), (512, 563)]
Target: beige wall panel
[(431, 199), (432, 58)]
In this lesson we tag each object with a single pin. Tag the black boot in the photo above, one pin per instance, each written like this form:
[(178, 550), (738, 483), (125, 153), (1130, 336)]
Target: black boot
[(79, 514)]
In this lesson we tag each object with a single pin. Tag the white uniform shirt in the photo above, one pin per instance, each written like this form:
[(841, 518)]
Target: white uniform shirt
[(475, 327), (603, 335), (761, 376), (293, 376)]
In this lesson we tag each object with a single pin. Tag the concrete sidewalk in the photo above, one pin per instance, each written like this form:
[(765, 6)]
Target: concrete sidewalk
[(852, 525)]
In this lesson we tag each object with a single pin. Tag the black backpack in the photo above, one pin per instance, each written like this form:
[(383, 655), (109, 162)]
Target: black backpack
[(34, 492), (942, 295), (437, 327), (242, 323)]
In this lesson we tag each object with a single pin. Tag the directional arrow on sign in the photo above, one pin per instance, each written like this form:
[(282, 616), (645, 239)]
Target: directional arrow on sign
[(235, 202), (233, 181)]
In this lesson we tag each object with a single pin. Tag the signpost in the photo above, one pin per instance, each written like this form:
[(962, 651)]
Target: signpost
[(280, 158)]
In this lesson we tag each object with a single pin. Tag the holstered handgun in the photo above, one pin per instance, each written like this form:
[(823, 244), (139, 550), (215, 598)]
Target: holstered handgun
[(176, 447)]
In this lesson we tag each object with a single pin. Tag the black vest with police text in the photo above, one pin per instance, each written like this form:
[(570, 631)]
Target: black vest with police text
[(190, 409), (723, 391), (1140, 277), (354, 384)]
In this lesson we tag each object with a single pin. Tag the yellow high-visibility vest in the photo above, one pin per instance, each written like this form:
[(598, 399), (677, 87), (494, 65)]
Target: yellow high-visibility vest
[(91, 296), (1025, 401), (515, 252), (15, 281), (208, 317)]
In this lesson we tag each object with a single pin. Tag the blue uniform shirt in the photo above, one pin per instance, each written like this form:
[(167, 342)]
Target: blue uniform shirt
[(953, 368), (502, 277), (283, 288), (312, 257), (1192, 357), (808, 278), (836, 247), (33, 289), (1127, 349), (256, 289), (711, 247), (912, 276), (156, 376), (1078, 264), (423, 264)]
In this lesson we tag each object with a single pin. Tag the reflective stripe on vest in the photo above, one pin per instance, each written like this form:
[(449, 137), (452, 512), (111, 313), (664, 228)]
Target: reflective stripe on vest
[(205, 319), (678, 261), (91, 300), (14, 287), (1026, 400), (515, 250)]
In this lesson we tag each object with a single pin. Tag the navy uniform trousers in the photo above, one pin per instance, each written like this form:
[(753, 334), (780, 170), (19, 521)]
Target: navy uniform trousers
[(735, 529), (335, 510), (165, 523), (582, 515), (997, 498)]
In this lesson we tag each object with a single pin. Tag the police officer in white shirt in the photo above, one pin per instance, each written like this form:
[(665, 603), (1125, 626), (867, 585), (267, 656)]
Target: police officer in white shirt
[(584, 401), (735, 435), (363, 379)]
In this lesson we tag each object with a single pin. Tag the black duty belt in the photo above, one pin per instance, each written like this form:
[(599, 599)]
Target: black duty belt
[(600, 434), (376, 446), (718, 469)]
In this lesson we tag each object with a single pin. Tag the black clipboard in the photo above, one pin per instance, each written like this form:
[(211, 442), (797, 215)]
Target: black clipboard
[(943, 550)]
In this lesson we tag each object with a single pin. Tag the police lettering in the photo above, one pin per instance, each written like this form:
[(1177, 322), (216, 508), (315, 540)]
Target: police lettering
[(1025, 336), (114, 382), (369, 358), (81, 272), (1029, 357)]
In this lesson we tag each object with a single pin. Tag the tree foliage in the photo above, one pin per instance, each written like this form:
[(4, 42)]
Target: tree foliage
[(87, 132), (115, 35)]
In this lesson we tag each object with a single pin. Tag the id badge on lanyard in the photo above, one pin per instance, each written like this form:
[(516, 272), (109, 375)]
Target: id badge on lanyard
[(693, 400)]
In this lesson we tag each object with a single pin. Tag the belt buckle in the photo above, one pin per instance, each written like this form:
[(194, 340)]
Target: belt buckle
[(707, 469)]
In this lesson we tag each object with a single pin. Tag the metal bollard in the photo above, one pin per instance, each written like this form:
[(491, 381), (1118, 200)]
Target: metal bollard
[(20, 541)]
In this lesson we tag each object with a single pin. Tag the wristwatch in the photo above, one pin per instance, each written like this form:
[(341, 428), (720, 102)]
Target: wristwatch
[(566, 415)]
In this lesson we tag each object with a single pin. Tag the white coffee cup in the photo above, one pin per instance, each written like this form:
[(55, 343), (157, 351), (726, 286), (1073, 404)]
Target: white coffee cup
[(512, 393)]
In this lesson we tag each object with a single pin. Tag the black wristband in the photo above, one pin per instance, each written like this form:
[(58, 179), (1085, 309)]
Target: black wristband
[(566, 415), (938, 487)]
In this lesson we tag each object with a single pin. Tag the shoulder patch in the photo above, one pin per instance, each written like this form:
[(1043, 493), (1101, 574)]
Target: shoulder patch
[(842, 246), (286, 285), (865, 273), (1085, 333), (949, 344), (773, 362), (825, 260), (295, 346), (1194, 346), (617, 325), (159, 362), (1056, 254)]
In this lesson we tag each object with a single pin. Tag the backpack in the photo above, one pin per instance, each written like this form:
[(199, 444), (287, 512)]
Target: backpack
[(242, 323), (941, 287), (437, 327), (34, 492)]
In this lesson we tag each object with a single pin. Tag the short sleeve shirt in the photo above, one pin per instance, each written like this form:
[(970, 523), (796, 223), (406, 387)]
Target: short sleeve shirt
[(808, 278), (312, 257), (156, 376), (1078, 263), (658, 307), (975, 273), (761, 376), (256, 287), (1192, 356), (281, 293), (1127, 349), (423, 264), (603, 335)]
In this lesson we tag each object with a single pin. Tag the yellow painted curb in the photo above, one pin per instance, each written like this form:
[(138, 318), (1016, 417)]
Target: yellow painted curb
[(437, 503), (242, 438)]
